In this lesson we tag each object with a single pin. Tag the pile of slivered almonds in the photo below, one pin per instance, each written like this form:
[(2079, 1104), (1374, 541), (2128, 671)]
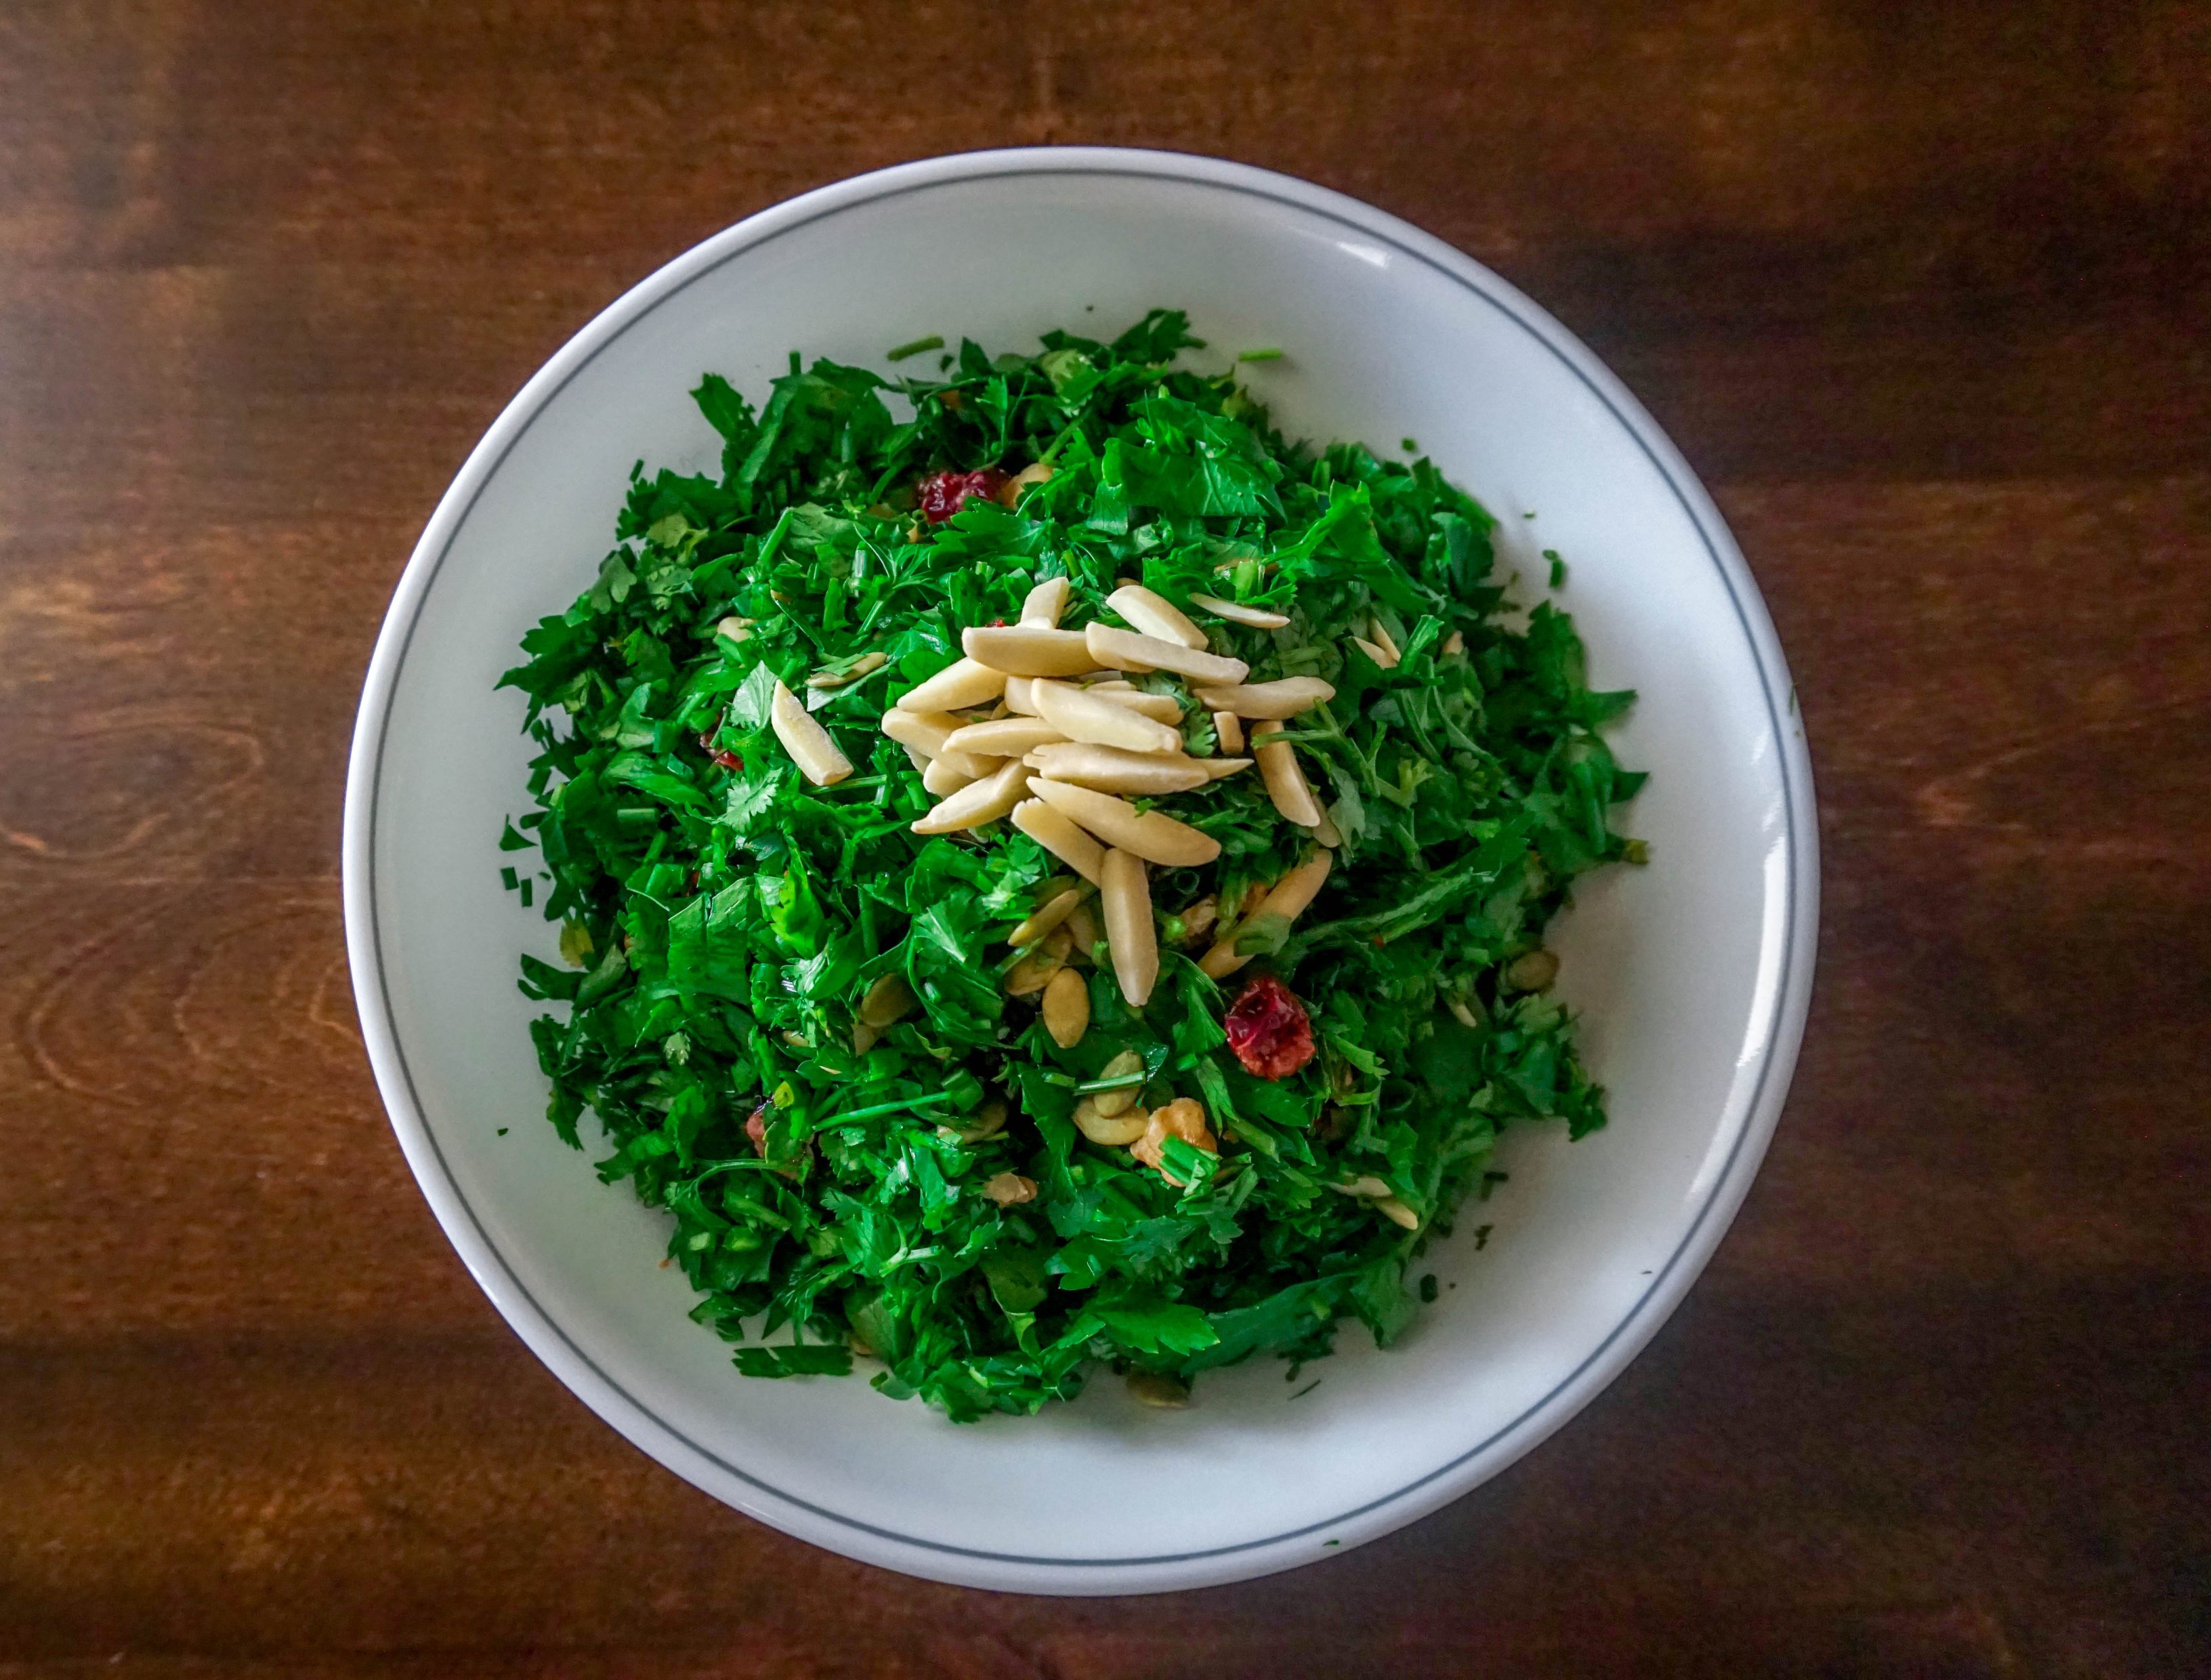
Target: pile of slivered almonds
[(1040, 724)]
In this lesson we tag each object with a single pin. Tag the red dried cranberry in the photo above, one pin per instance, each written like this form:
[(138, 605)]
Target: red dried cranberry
[(1268, 1031), (721, 756), (944, 493)]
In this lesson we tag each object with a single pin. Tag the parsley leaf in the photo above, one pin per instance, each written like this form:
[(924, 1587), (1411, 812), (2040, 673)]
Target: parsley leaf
[(789, 1016)]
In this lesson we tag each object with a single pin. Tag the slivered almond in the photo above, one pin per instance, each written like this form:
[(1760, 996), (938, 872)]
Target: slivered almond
[(920, 758), (1003, 737), (1259, 618), (1081, 716), (1230, 730), (926, 732), (1126, 897), (1376, 652), (1046, 916), (1379, 634), (1215, 769), (1286, 697), (1132, 652), (978, 803), (1021, 698), (1056, 833), (1030, 650), (1287, 898), (1290, 897), (889, 999), (962, 683), (808, 743), (1033, 973), (1045, 603), (1113, 770), (1152, 835), (949, 771), (1083, 926), (1155, 615), (1327, 832), (1397, 1213), (1286, 777), (1162, 708), (1453, 643), (860, 667), (735, 628), (1367, 1185)]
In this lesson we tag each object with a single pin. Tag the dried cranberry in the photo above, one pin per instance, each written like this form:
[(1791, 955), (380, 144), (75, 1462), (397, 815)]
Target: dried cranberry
[(944, 493), (721, 756), (1268, 1031)]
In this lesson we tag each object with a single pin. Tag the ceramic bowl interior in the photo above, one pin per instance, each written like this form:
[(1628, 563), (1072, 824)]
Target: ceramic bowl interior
[(1692, 973)]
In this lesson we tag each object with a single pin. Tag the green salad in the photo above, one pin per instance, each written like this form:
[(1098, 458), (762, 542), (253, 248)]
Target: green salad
[(1058, 881)]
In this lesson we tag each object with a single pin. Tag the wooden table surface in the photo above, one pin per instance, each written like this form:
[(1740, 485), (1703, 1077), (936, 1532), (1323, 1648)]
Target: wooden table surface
[(1924, 294)]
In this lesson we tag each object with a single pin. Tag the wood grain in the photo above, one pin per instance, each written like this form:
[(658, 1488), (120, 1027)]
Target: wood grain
[(1923, 292)]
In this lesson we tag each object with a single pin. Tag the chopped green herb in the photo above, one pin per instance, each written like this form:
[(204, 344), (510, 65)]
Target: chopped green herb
[(934, 342), (1558, 567), (790, 1016), (1267, 355)]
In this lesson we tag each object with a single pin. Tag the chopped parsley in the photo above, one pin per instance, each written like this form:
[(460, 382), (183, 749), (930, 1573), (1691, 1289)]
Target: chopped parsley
[(907, 1182)]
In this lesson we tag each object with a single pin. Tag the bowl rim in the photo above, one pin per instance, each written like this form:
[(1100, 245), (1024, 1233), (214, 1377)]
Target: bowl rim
[(1784, 1006)]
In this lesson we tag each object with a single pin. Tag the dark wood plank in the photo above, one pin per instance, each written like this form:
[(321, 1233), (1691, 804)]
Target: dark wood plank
[(1922, 291)]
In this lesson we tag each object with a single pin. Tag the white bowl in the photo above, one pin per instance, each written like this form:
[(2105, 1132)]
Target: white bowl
[(1694, 972)]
